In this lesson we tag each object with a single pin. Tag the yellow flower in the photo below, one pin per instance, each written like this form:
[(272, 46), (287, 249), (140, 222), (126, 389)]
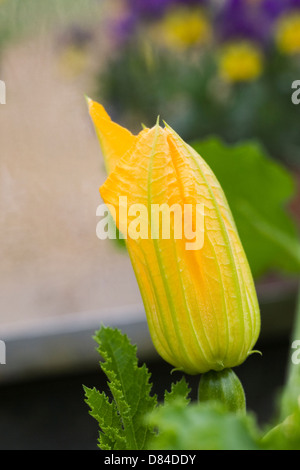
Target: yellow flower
[(200, 302), (240, 62), (288, 33), (185, 27)]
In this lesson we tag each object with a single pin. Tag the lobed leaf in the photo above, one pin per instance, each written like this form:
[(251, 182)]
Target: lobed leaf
[(121, 420)]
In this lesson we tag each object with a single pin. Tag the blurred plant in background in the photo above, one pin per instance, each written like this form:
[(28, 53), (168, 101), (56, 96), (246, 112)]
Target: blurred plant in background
[(208, 67), (4, 31)]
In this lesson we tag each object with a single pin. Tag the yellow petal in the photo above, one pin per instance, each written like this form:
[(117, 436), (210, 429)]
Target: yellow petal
[(115, 140)]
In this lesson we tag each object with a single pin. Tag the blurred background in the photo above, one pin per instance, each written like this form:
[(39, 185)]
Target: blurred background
[(220, 72)]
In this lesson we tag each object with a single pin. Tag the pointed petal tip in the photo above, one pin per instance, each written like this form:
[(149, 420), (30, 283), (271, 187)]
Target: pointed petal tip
[(96, 110), (88, 101)]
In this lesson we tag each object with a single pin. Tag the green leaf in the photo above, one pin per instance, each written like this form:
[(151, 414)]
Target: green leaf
[(258, 191), (284, 436), (121, 420), (111, 433), (202, 426), (179, 389)]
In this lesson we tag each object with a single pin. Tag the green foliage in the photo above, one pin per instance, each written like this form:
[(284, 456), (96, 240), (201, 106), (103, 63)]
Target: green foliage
[(285, 436), (202, 427), (122, 86), (121, 420), (258, 190)]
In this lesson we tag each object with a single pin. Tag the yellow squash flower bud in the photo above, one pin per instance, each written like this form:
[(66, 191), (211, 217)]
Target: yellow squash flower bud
[(196, 285)]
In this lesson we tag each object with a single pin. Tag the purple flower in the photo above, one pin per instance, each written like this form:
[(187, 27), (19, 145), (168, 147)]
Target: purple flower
[(239, 19), (274, 8)]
